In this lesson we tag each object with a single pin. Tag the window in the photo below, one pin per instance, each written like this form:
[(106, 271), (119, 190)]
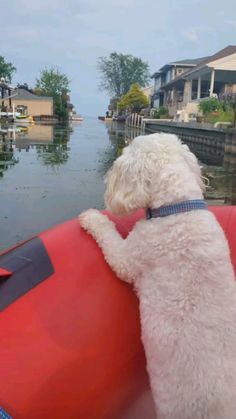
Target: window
[(22, 109), (157, 83)]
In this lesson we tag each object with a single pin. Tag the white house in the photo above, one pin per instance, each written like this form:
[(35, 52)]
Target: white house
[(209, 76)]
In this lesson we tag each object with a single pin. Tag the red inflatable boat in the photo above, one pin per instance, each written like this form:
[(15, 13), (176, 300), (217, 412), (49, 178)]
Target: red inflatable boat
[(69, 329)]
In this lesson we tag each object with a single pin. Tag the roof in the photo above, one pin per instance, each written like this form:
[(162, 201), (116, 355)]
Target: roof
[(147, 88), (198, 63), (23, 94), (157, 73), (231, 49), (225, 52), (192, 62)]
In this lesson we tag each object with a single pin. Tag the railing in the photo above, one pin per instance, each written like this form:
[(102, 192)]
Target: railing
[(134, 120)]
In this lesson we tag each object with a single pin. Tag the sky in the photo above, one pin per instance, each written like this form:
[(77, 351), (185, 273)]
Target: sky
[(72, 34)]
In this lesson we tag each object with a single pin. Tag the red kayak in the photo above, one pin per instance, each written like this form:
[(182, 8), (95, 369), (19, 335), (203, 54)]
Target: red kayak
[(70, 333)]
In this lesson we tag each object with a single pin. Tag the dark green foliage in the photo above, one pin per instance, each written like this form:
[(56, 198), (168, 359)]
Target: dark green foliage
[(6, 69), (162, 112), (120, 71), (55, 84), (209, 105)]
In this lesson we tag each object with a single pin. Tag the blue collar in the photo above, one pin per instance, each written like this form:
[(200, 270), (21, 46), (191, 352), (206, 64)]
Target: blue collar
[(180, 207)]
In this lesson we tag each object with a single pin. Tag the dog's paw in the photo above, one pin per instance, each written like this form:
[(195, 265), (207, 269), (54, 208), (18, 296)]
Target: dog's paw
[(91, 219), (88, 217)]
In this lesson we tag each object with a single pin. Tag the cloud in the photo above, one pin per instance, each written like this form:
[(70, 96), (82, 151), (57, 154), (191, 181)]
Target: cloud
[(190, 34), (44, 6), (231, 22), (73, 34), (31, 33), (127, 4)]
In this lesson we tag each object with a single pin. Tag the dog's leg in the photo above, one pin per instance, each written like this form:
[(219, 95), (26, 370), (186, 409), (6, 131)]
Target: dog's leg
[(113, 246)]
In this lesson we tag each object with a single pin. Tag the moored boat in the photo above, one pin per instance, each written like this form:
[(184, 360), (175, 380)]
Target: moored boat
[(77, 118), (25, 119)]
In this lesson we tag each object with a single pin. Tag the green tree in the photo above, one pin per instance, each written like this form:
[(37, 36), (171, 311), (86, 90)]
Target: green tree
[(6, 69), (134, 100), (119, 72), (55, 84)]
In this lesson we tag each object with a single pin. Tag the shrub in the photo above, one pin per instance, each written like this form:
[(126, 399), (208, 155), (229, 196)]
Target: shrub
[(209, 105), (161, 112), (134, 100), (220, 116)]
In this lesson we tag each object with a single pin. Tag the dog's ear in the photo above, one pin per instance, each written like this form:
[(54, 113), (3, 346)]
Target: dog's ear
[(192, 162), (128, 184)]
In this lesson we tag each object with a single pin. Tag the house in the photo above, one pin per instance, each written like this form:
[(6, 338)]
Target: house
[(6, 92), (148, 92), (181, 85), (165, 77), (28, 103)]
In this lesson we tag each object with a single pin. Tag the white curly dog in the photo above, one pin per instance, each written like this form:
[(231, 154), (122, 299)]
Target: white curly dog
[(181, 271)]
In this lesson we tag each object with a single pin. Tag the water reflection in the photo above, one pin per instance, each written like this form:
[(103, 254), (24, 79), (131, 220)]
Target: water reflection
[(219, 167), (119, 136), (7, 158), (49, 174), (218, 163), (56, 151), (117, 141), (53, 154), (50, 143)]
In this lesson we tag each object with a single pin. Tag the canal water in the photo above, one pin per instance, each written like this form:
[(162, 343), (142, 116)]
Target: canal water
[(49, 174)]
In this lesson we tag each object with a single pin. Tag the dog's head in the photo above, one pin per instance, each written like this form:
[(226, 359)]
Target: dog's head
[(149, 165)]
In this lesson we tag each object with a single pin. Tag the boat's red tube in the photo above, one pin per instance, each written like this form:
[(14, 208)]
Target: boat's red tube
[(69, 329)]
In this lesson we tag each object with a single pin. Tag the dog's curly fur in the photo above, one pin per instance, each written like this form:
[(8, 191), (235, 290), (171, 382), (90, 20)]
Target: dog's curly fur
[(181, 270)]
